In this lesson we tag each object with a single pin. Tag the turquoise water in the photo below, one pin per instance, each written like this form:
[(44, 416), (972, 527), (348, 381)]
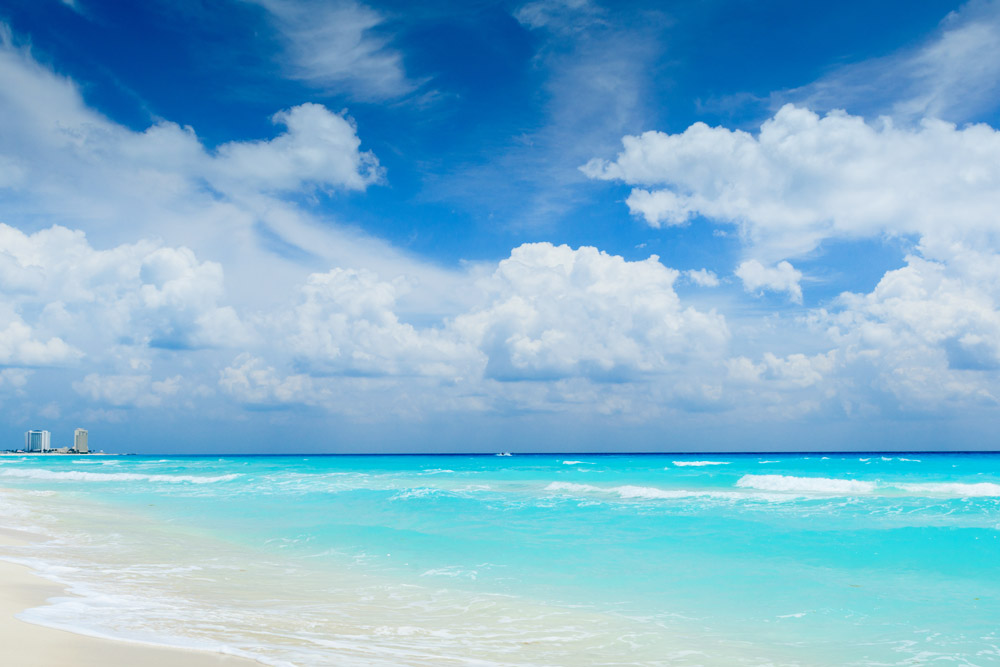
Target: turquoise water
[(859, 559)]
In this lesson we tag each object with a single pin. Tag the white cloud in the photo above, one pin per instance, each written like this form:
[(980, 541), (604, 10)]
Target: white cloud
[(95, 299), (138, 391), (320, 148), (795, 371), (954, 75), (334, 45), (930, 330), (702, 277), (238, 206), (250, 380), (556, 312), (782, 277), (346, 323), (20, 347), (924, 340), (559, 15), (595, 69), (807, 178), (15, 378)]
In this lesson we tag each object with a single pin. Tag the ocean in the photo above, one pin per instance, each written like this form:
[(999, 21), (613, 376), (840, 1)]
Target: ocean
[(776, 559)]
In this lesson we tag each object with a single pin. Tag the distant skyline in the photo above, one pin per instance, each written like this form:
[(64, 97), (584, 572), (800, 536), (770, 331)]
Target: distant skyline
[(271, 226)]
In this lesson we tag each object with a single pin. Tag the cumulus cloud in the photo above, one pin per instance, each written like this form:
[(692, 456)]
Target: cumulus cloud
[(930, 329), (239, 205), (346, 322), (20, 347), (556, 312), (14, 378), (702, 277), (142, 293), (139, 391), (320, 148), (806, 178), (782, 277), (250, 380), (795, 370), (925, 336), (555, 318)]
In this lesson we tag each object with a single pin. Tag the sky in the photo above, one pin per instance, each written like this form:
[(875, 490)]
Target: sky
[(283, 226)]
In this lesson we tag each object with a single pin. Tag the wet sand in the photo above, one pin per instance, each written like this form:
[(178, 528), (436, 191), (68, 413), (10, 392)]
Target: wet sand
[(28, 645)]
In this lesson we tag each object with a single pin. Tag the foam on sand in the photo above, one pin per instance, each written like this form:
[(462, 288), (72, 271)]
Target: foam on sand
[(81, 476)]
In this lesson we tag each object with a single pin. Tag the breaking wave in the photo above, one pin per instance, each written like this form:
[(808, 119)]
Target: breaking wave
[(805, 484), (979, 489), (632, 492), (854, 487), (700, 463), (81, 476)]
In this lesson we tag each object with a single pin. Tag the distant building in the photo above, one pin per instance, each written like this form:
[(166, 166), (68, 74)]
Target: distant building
[(80, 441), (37, 441)]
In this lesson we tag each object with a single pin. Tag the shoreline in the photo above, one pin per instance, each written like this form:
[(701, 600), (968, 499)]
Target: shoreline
[(29, 645)]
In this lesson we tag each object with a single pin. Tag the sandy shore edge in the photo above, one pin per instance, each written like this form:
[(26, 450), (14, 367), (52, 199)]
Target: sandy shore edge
[(29, 645)]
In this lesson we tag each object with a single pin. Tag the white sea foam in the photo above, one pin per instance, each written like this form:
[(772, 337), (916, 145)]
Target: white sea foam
[(955, 489), (451, 571), (577, 463), (80, 476), (701, 463), (823, 485), (853, 487), (633, 492)]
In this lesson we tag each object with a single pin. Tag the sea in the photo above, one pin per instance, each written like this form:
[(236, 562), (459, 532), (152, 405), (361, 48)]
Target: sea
[(669, 559)]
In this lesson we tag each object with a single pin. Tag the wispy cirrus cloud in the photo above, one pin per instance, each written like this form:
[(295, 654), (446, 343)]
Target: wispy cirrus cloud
[(954, 75), (337, 46)]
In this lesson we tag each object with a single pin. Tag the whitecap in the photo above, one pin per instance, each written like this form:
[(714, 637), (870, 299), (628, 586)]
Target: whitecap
[(955, 489), (700, 463), (823, 485), (633, 492), (852, 487)]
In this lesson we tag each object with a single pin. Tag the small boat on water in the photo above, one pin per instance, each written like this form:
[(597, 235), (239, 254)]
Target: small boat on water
[(504, 454)]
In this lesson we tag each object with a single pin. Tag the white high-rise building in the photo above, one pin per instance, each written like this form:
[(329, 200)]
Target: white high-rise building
[(80, 441), (37, 441)]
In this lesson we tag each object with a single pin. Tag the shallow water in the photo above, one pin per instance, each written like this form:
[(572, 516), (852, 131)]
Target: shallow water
[(859, 559)]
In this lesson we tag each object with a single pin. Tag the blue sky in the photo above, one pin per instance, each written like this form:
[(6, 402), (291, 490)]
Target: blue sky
[(532, 226)]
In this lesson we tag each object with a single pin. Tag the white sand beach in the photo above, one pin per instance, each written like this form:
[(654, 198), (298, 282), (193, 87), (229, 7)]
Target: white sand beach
[(28, 645)]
